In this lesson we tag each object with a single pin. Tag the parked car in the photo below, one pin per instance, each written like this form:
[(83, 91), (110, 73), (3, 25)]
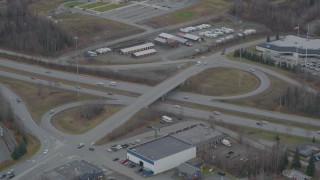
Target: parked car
[(115, 159), (221, 173), (109, 150), (91, 148), (125, 145), (138, 140), (80, 145), (18, 100)]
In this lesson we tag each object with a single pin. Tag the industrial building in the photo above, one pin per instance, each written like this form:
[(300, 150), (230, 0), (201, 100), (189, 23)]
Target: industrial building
[(187, 171), (199, 135), (145, 53), (291, 47), (80, 170), (306, 150), (161, 154), (131, 50), (169, 43), (189, 37), (173, 37), (126, 44)]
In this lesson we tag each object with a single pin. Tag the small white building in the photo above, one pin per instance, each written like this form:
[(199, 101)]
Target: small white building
[(161, 154), (142, 47)]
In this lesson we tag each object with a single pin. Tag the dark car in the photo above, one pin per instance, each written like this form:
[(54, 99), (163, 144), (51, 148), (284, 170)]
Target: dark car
[(221, 173), (230, 152), (3, 176), (125, 145), (18, 100), (91, 148), (115, 159)]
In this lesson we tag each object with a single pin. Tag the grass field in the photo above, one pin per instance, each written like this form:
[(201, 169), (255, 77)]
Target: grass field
[(42, 7), (33, 146), (50, 97), (73, 4), (92, 5), (221, 82), (91, 29), (109, 7), (202, 9), (70, 122)]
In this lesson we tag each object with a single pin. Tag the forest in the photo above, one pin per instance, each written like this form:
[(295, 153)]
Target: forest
[(279, 16), (23, 31)]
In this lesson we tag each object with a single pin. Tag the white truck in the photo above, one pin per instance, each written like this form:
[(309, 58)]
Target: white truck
[(226, 142), (167, 119)]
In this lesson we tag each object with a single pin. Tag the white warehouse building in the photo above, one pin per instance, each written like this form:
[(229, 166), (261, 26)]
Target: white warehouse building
[(292, 47), (161, 154)]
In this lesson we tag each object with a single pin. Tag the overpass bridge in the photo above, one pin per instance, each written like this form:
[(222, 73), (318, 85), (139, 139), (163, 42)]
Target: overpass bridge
[(152, 95)]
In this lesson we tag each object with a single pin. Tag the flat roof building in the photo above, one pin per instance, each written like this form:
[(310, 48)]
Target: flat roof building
[(145, 53), (161, 154), (138, 48), (80, 170), (170, 36), (200, 135), (292, 46)]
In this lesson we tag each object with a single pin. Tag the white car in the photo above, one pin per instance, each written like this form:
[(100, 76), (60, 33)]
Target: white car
[(205, 63), (138, 140), (198, 63), (216, 112), (100, 83), (177, 106), (112, 83), (51, 111), (252, 70)]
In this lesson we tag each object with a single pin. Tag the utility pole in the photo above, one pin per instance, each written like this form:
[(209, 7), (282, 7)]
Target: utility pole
[(76, 39), (240, 63), (156, 129)]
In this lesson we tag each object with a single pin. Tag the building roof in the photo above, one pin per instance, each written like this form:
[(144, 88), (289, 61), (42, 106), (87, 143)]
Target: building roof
[(198, 133), (305, 149), (161, 147), (298, 175), (191, 36), (134, 48), (146, 52), (187, 168), (170, 36), (294, 44), (72, 170)]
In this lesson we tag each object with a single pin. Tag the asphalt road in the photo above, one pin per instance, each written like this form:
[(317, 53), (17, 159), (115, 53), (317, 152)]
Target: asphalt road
[(61, 147)]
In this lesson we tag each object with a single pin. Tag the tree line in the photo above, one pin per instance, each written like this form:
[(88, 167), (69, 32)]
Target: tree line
[(22, 30), (279, 17), (13, 123), (299, 99), (255, 57)]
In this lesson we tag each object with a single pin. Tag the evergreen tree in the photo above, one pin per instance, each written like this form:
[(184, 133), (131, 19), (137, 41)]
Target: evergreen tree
[(311, 167), (15, 154), (268, 38), (296, 164), (277, 36), (314, 139), (277, 138), (22, 147)]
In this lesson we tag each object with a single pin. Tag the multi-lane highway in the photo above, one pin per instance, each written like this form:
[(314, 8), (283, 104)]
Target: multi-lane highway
[(61, 146)]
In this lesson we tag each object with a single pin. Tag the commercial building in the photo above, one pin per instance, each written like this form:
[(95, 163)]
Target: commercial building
[(295, 175), (173, 37), (79, 170), (189, 37), (169, 43), (145, 53), (306, 150), (200, 135), (126, 44), (161, 154), (292, 48), (188, 172), (142, 47)]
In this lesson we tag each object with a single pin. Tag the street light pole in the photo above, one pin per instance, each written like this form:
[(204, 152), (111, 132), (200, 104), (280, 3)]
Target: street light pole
[(76, 39), (240, 63)]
